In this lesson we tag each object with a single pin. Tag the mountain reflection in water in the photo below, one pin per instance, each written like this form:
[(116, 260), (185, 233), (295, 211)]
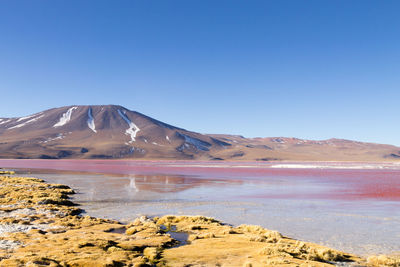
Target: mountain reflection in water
[(169, 183)]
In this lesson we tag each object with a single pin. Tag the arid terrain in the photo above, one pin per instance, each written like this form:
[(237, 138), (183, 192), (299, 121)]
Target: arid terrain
[(42, 227), (110, 132)]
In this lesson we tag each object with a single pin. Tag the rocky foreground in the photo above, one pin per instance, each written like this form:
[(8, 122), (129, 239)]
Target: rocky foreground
[(40, 226)]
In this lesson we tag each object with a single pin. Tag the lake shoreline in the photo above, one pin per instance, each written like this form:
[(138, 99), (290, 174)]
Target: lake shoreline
[(274, 171), (48, 217)]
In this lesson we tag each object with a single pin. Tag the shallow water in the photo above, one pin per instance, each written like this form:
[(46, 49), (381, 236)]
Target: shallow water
[(340, 205)]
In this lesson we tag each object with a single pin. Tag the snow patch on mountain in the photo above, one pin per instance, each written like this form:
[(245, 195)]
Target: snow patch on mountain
[(58, 137), (25, 123), (25, 118), (197, 143), (133, 129), (65, 118), (90, 121), (5, 121), (278, 140)]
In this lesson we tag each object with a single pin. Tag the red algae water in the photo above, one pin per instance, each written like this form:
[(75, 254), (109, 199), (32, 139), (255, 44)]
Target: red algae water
[(349, 206)]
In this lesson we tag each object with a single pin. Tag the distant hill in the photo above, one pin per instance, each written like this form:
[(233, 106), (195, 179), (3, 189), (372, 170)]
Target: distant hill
[(111, 132)]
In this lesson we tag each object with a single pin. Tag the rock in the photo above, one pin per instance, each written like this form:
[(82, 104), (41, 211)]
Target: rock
[(384, 260), (131, 230), (151, 254)]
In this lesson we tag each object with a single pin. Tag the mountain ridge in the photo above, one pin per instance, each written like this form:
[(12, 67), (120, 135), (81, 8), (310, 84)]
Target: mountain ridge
[(113, 131)]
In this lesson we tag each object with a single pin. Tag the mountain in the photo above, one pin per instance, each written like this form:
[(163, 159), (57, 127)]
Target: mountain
[(111, 131), (283, 148), (100, 132)]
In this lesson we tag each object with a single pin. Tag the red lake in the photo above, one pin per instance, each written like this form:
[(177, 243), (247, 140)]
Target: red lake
[(349, 206)]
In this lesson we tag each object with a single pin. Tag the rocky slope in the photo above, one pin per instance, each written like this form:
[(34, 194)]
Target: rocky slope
[(115, 132), (283, 148)]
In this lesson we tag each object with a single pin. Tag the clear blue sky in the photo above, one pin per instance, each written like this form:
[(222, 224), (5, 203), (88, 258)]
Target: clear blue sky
[(307, 69)]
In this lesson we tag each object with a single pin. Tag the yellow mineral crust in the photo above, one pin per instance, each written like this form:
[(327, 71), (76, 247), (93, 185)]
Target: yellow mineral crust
[(40, 226), (214, 244), (385, 260)]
